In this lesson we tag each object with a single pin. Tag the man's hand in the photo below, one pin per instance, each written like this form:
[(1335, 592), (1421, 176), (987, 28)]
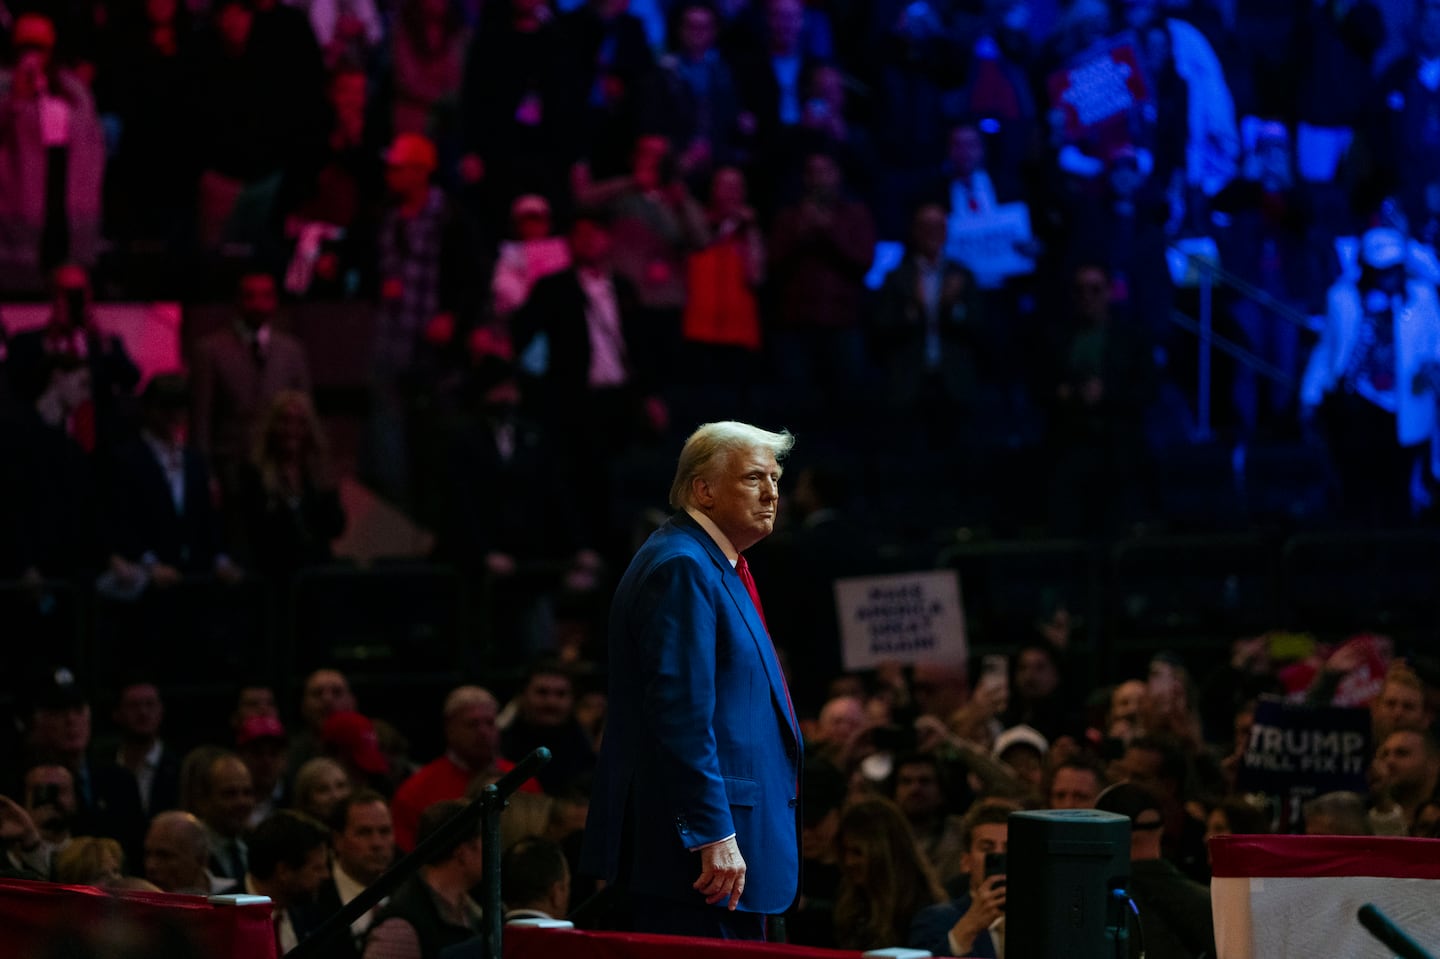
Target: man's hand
[(722, 873), (16, 826), (987, 906)]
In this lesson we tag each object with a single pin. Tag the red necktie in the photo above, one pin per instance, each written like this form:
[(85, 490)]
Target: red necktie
[(743, 568)]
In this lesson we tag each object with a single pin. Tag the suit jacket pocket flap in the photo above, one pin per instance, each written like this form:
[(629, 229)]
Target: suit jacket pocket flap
[(742, 792)]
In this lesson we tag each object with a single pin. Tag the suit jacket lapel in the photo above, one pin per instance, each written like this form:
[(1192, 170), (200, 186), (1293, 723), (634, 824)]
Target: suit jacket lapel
[(764, 646)]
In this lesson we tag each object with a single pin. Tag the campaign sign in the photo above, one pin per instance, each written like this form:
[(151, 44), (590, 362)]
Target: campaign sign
[(904, 617), (1099, 90), (992, 244), (1296, 749)]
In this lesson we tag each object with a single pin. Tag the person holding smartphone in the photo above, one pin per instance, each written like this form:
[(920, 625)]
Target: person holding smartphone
[(972, 924)]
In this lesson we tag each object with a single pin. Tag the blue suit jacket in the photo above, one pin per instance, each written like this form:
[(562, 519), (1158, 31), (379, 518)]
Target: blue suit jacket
[(699, 741), (930, 929)]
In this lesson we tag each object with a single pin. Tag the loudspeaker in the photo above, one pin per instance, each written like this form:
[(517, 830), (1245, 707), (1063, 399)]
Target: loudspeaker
[(1064, 867)]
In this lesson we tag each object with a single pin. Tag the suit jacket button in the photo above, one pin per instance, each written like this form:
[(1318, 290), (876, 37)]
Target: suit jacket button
[(794, 802)]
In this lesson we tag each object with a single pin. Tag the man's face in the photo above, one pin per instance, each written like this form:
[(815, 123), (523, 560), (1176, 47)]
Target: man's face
[(231, 800), (547, 700), (1027, 763), (1074, 789), (471, 858), (140, 712), (347, 93), (256, 701), (1399, 707), (840, 720), (589, 243), (822, 176), (471, 733), (1142, 766), (1035, 675), (326, 692), (967, 151), (1092, 295), (258, 298), (266, 759), (697, 31), (785, 19), (741, 496), (987, 838), (233, 23), (1401, 764), (650, 154), (929, 232), (367, 846), (1126, 701), (171, 859), (300, 886), (64, 731), (407, 179), (917, 791), (50, 787)]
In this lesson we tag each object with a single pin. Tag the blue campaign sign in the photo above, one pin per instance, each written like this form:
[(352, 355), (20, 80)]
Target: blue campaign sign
[(1295, 747)]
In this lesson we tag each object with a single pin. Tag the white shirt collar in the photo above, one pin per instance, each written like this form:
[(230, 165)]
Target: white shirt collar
[(721, 540)]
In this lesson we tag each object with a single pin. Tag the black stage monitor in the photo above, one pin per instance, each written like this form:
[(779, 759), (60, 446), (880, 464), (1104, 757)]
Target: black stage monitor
[(1064, 867)]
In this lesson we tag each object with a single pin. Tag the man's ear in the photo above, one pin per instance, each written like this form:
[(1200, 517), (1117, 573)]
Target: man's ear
[(701, 493)]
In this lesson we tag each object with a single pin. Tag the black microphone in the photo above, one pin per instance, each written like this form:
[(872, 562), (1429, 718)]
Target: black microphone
[(1379, 925)]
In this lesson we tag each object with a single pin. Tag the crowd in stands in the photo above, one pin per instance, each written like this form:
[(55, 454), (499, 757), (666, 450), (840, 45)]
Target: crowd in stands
[(910, 776), (576, 232)]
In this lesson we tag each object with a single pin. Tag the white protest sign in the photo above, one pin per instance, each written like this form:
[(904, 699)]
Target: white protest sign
[(986, 242), (903, 617)]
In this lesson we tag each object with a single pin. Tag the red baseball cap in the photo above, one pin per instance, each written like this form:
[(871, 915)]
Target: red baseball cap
[(353, 737), (258, 727)]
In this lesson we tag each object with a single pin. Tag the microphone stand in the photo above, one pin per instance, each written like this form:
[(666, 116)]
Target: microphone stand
[(487, 809)]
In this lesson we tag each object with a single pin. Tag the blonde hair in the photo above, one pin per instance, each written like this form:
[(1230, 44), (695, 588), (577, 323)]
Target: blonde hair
[(307, 780), (315, 457), (715, 442), (89, 861)]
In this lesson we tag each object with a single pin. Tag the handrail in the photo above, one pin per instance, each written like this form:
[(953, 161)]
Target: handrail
[(1235, 351), (487, 808), (1248, 289)]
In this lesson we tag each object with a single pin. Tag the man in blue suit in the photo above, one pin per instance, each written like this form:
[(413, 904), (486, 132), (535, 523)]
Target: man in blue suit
[(695, 803)]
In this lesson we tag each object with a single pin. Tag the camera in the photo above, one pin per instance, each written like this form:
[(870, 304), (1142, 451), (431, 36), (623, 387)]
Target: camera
[(995, 866)]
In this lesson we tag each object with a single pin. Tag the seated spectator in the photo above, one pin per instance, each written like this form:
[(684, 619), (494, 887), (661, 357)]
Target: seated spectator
[(923, 328), (177, 851), (289, 863), (1075, 784), (138, 715), (921, 795), (820, 250), (1235, 815), (535, 880), (215, 786), (72, 334), (967, 925), (89, 861), (52, 154), (159, 506), (58, 534), (697, 103), (1337, 814), (320, 784), (433, 909), (238, 372), (545, 716), (428, 57), (325, 691), (1023, 749), (884, 881), (262, 745), (362, 839), (1176, 910), (1401, 703), (1405, 773), (720, 326), (532, 254), (106, 801), (288, 497)]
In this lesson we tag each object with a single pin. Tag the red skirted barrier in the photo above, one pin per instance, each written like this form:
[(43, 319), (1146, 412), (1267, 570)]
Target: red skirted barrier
[(37, 918), (1296, 897), (533, 943)]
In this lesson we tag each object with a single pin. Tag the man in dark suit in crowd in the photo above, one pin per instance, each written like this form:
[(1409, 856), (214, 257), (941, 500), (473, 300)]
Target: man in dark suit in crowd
[(162, 518), (694, 806), (238, 370), (362, 837), (288, 863)]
